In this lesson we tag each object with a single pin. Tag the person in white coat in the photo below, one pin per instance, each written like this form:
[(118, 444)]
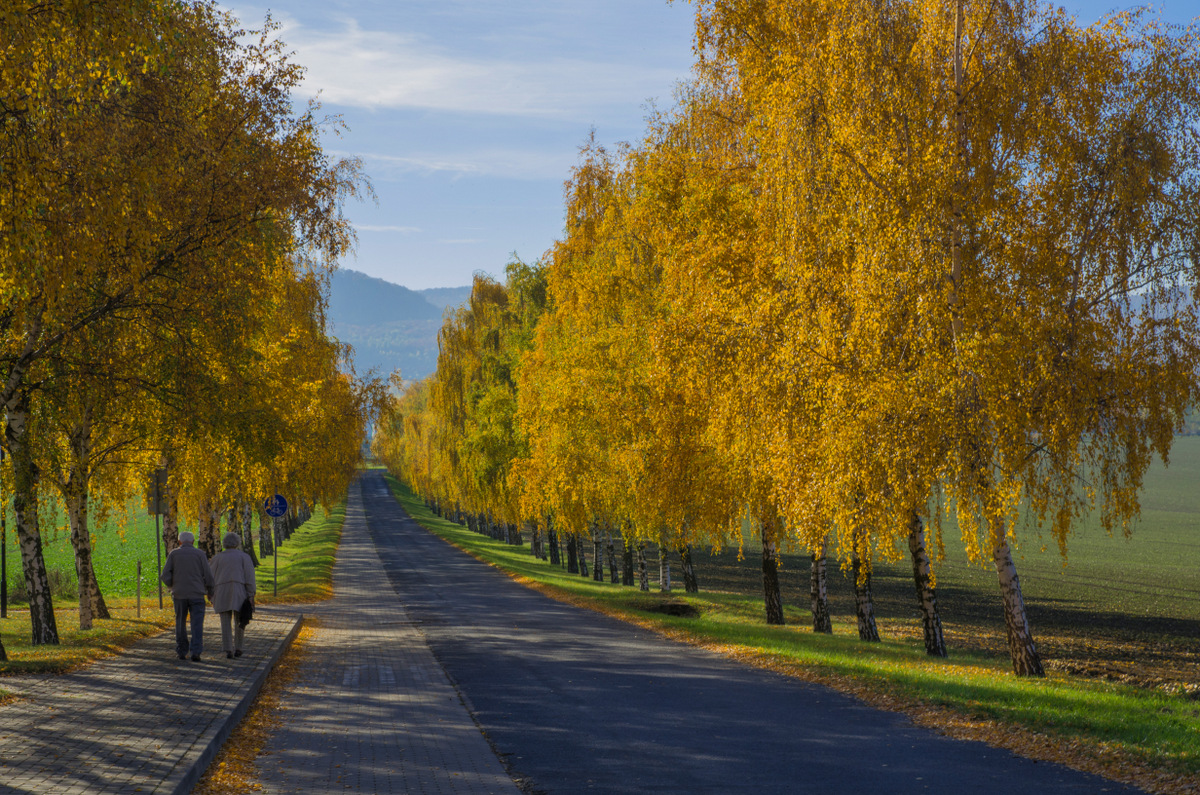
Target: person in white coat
[(233, 573)]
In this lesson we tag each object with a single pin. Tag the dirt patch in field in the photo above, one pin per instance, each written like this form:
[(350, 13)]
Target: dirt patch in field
[(679, 609)]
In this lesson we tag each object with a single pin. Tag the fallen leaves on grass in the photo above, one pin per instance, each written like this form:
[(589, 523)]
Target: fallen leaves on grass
[(78, 647)]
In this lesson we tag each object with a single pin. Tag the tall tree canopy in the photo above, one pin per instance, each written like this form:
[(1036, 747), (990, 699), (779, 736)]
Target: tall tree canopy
[(882, 263), (161, 207)]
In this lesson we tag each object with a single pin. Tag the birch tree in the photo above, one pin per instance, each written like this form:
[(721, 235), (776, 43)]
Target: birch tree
[(144, 149), (1006, 210)]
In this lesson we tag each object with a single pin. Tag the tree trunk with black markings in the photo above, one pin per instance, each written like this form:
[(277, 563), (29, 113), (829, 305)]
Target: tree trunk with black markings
[(43, 626), (1025, 658), (818, 593), (864, 606), (690, 583), (931, 622)]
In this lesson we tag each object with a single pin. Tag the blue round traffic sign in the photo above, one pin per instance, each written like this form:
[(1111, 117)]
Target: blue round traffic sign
[(276, 506)]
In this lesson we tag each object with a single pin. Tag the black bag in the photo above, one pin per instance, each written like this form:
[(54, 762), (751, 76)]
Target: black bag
[(247, 612)]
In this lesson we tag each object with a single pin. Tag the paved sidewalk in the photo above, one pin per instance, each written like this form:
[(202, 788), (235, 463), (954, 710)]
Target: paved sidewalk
[(371, 709), (143, 721)]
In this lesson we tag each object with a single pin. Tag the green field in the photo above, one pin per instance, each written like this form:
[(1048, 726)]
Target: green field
[(1137, 596), (1117, 607), (305, 575), (118, 545)]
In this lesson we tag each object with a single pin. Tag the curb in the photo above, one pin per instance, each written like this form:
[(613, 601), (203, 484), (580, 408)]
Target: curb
[(185, 775)]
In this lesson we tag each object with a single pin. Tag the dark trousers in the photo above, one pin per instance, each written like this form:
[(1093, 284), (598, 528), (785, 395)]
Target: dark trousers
[(183, 609)]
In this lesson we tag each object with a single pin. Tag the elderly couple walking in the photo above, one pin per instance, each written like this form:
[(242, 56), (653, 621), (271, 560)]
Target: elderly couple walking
[(228, 583)]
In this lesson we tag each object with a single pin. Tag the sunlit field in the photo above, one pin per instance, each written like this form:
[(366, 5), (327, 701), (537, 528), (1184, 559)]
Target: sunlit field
[(1116, 607)]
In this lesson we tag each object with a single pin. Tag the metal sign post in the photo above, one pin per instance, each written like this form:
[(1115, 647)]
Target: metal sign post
[(155, 497), (3, 555), (276, 507), (3, 566), (160, 487)]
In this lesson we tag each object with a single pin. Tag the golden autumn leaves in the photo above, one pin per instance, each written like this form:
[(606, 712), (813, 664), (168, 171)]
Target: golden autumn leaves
[(883, 262), (167, 226)]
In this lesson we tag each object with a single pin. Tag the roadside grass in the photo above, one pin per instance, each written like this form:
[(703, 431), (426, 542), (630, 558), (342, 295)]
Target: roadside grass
[(305, 561), (1143, 735), (305, 575)]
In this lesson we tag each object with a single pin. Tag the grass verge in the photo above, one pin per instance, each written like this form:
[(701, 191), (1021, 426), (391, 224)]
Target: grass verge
[(1136, 735), (305, 561), (78, 647)]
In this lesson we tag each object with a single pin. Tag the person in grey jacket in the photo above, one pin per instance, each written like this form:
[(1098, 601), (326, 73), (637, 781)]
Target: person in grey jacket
[(234, 573), (190, 579)]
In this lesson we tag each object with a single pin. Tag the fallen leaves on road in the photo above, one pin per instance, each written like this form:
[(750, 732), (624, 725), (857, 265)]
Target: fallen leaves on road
[(234, 771)]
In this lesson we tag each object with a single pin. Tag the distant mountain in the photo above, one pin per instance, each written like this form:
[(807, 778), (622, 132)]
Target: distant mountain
[(446, 297), (390, 327), (361, 300)]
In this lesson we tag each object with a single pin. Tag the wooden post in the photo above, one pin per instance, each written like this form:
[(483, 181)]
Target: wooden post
[(3, 556), (158, 483)]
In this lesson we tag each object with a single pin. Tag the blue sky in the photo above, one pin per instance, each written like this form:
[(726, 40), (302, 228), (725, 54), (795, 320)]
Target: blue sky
[(468, 114)]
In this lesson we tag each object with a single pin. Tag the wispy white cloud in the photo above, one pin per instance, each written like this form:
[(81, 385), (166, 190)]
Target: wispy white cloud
[(506, 163), (407, 230), (354, 67)]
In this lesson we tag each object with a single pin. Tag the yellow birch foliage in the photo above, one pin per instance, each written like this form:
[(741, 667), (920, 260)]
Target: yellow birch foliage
[(993, 243)]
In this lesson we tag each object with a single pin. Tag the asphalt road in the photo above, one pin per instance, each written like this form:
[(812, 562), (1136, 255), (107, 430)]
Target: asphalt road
[(576, 701)]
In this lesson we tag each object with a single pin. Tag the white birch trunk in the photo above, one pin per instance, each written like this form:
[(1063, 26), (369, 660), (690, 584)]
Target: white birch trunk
[(664, 568), (931, 622), (613, 575), (772, 598), (597, 554), (266, 541), (43, 627), (688, 566), (1025, 658), (91, 601), (170, 528), (75, 494), (864, 605), (247, 533), (818, 592), (207, 523)]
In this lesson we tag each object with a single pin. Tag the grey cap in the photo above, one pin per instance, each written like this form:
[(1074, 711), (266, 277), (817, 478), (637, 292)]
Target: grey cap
[(232, 540)]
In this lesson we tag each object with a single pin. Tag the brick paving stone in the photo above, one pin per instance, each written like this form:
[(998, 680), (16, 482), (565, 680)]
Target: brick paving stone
[(371, 709), (143, 721)]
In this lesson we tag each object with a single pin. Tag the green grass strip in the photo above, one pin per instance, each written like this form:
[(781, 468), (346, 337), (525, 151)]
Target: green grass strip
[(305, 560)]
